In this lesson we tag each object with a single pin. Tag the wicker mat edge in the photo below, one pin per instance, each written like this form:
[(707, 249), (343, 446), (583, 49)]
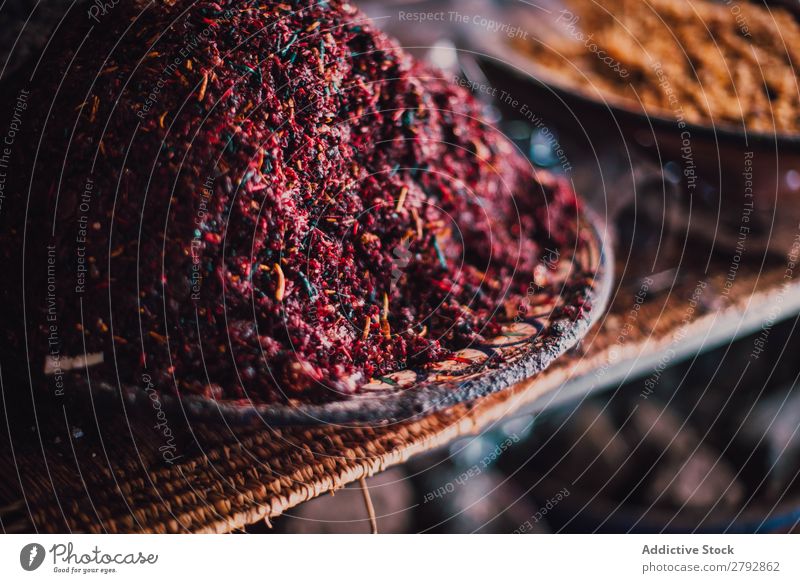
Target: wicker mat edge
[(497, 407), (243, 479)]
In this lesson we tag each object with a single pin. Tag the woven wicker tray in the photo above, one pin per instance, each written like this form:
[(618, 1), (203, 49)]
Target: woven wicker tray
[(105, 473)]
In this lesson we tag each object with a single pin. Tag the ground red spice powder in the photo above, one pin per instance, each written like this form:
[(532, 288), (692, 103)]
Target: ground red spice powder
[(270, 200)]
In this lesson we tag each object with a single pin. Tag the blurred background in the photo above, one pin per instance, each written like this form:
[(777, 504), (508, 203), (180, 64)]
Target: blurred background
[(695, 434)]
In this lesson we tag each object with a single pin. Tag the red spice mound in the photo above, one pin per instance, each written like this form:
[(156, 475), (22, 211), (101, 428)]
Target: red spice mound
[(271, 201)]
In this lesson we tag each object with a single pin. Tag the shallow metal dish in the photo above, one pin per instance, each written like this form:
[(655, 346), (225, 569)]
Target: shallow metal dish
[(718, 152), (584, 275)]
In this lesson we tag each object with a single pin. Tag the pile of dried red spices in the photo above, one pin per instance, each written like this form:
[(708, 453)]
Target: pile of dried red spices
[(268, 201)]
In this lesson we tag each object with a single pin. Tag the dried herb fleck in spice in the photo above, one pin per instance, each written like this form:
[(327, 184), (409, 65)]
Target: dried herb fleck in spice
[(282, 202)]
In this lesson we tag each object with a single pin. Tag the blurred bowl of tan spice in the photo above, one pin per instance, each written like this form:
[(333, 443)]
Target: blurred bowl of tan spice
[(708, 90)]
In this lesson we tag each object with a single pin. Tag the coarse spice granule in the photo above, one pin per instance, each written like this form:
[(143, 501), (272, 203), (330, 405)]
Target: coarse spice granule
[(265, 200)]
